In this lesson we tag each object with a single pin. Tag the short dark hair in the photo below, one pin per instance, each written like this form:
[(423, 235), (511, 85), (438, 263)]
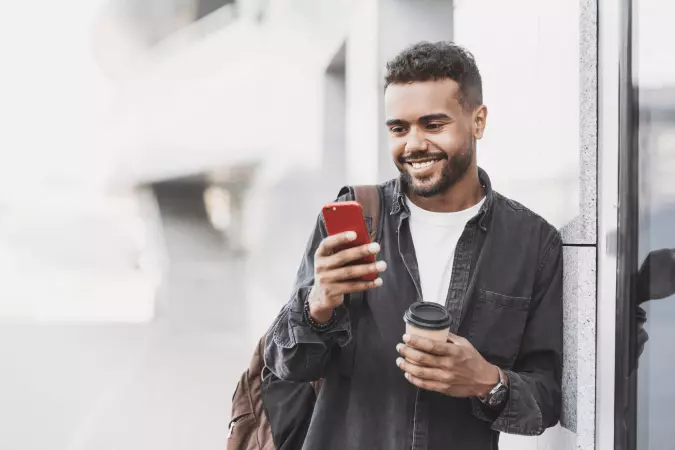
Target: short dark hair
[(427, 61)]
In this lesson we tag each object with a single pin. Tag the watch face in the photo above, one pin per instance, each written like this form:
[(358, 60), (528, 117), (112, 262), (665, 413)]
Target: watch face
[(498, 397)]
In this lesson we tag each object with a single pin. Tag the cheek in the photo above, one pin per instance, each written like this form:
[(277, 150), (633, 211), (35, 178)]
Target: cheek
[(450, 143), (396, 147), (446, 143)]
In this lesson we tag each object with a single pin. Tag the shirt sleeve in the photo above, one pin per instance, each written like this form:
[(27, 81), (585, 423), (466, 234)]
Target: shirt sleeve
[(534, 398), (294, 350)]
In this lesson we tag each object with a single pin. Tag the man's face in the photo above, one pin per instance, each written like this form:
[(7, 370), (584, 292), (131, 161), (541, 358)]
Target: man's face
[(431, 136)]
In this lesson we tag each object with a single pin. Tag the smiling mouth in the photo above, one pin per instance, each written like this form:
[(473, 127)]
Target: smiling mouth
[(423, 164)]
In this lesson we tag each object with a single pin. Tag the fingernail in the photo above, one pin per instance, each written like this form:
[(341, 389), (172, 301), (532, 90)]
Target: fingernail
[(399, 347), (406, 338), (350, 235), (374, 248), (381, 266), (407, 376), (378, 282), (399, 361)]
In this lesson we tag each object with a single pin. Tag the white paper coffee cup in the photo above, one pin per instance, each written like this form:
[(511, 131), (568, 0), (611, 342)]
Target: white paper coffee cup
[(428, 320)]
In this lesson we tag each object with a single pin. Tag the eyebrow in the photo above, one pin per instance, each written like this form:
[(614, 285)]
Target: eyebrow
[(423, 119)]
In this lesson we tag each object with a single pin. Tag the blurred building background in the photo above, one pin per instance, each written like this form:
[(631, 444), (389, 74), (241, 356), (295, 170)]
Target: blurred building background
[(163, 161)]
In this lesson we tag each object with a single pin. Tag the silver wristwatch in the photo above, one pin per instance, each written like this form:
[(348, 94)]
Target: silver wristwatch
[(497, 394)]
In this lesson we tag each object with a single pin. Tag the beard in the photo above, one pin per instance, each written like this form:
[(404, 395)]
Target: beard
[(453, 170)]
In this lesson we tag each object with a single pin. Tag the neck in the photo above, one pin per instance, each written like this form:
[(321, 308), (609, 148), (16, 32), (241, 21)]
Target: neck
[(464, 194)]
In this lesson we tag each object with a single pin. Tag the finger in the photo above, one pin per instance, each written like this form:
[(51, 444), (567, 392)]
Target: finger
[(351, 272), (330, 243), (351, 287), (418, 357), (425, 373), (428, 345), (458, 340), (341, 258), (428, 385)]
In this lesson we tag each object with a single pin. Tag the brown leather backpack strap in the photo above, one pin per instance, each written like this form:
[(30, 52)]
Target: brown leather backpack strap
[(369, 198)]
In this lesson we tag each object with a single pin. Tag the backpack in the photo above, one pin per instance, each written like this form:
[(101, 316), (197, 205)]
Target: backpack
[(272, 414)]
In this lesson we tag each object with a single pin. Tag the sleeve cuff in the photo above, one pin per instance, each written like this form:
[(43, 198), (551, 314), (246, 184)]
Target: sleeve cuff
[(521, 413), (299, 331)]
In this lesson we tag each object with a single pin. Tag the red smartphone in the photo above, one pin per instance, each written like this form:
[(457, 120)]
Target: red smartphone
[(341, 217)]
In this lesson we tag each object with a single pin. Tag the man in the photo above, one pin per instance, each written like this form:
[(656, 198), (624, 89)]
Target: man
[(447, 237)]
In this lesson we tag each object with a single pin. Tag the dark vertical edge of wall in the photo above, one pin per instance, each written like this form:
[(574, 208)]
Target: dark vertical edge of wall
[(627, 242)]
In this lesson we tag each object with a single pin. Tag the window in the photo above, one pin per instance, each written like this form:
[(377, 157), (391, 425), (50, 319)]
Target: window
[(205, 7), (646, 272)]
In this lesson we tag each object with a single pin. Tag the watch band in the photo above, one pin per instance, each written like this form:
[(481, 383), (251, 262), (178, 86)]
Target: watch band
[(502, 377)]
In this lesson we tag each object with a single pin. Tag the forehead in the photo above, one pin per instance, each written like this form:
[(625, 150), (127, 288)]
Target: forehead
[(413, 100)]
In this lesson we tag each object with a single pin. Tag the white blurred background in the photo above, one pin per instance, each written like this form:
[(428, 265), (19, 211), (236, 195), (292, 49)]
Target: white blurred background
[(161, 165)]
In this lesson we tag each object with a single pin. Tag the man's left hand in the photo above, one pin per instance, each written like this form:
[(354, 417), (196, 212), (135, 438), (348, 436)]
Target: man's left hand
[(453, 368)]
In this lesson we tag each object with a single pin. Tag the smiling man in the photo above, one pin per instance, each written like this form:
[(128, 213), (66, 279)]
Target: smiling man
[(447, 237)]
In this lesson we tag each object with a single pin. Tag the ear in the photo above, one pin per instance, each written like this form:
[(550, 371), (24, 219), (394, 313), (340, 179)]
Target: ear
[(479, 121)]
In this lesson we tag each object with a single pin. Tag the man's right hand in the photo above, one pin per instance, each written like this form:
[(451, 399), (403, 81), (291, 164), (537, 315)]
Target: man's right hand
[(334, 277)]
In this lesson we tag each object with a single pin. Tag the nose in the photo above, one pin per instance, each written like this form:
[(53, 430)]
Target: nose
[(416, 142)]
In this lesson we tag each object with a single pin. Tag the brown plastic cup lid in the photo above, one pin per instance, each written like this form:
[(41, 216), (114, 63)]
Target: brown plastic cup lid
[(427, 315)]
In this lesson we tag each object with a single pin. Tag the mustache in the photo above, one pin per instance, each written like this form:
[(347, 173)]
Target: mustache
[(421, 155)]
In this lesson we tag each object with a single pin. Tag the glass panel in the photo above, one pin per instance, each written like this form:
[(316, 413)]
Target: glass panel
[(654, 79)]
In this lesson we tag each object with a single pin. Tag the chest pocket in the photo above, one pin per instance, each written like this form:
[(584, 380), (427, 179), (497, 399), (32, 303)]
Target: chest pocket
[(497, 326)]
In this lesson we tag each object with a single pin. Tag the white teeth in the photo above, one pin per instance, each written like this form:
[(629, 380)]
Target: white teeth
[(422, 165)]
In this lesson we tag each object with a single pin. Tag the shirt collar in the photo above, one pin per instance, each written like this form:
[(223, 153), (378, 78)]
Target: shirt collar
[(399, 204)]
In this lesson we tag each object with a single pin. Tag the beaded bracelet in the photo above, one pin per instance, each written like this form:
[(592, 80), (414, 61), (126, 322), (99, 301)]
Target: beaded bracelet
[(314, 325)]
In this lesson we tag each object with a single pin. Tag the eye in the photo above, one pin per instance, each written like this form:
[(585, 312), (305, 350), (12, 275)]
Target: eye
[(397, 129), (434, 126)]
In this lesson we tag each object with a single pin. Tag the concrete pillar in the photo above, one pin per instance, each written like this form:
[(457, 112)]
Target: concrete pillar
[(334, 152), (363, 97)]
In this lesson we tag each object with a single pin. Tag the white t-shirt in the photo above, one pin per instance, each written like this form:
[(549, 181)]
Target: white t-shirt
[(435, 236)]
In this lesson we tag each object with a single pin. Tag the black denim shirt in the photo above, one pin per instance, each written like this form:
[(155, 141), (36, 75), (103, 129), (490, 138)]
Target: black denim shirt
[(505, 297)]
